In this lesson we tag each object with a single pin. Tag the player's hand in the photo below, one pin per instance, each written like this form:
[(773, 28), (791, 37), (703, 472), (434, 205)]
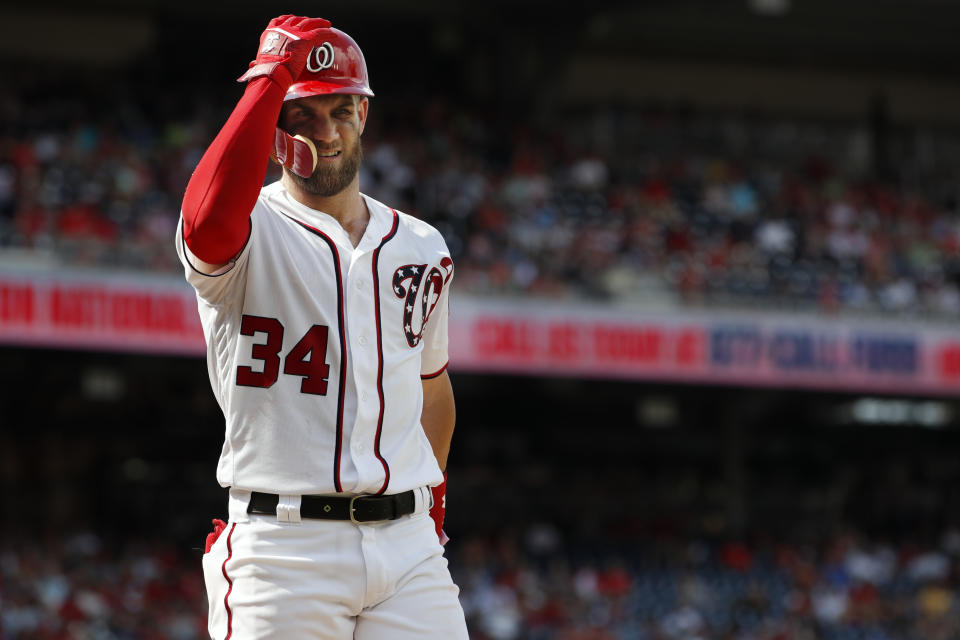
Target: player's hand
[(439, 508), (284, 47)]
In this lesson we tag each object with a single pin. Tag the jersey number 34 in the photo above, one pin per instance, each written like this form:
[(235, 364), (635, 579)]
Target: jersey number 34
[(306, 358)]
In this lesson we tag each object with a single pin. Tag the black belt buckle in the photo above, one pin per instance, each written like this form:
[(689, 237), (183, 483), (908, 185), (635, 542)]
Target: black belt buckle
[(377, 504)]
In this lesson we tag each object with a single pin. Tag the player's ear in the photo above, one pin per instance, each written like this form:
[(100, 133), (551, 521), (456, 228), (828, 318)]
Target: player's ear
[(363, 104)]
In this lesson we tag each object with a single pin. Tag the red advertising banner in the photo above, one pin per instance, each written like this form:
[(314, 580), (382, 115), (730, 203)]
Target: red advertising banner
[(707, 347), (159, 315), (139, 314)]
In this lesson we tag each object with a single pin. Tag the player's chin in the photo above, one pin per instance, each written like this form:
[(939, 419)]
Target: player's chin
[(326, 181)]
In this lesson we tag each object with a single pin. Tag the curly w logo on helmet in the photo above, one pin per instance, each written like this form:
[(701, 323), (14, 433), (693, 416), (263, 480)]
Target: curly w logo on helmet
[(320, 58)]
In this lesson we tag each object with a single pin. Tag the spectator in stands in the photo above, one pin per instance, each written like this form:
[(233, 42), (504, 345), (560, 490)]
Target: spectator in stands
[(750, 213)]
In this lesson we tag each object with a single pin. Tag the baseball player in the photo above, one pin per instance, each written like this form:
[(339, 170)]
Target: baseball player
[(325, 317)]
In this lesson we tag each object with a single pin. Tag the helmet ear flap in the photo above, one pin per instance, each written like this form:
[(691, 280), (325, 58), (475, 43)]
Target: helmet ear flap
[(335, 65)]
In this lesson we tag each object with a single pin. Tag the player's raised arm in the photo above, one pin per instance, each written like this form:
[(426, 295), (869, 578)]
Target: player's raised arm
[(224, 187)]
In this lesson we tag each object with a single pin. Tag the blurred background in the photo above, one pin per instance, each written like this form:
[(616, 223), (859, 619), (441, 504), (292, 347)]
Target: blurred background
[(704, 331)]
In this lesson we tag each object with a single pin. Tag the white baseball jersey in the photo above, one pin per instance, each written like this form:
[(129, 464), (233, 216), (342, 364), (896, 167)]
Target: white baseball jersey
[(316, 349)]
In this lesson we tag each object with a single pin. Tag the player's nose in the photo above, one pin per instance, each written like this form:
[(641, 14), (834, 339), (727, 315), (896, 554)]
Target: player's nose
[(324, 130)]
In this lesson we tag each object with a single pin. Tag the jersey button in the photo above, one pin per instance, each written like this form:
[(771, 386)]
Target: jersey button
[(358, 447), (362, 340), (359, 284)]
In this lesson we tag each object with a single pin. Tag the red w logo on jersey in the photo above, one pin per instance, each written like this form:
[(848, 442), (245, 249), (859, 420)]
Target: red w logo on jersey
[(422, 294)]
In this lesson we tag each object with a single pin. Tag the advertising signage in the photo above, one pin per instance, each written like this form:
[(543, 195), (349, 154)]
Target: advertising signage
[(159, 315)]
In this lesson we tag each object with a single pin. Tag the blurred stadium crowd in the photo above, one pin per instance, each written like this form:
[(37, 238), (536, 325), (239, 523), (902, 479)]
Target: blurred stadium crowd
[(614, 204), (611, 204), (532, 587)]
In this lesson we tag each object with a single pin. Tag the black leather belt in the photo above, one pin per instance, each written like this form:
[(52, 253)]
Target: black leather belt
[(353, 508)]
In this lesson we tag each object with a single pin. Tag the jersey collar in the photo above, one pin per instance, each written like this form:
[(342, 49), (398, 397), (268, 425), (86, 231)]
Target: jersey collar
[(380, 223)]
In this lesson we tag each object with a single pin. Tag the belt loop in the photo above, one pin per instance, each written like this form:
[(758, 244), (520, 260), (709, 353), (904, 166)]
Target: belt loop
[(288, 509), (422, 496), (237, 505)]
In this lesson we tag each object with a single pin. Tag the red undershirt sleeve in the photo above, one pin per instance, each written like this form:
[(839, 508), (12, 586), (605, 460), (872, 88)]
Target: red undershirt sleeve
[(224, 187)]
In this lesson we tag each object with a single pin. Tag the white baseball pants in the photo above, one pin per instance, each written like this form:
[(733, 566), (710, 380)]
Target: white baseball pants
[(330, 580)]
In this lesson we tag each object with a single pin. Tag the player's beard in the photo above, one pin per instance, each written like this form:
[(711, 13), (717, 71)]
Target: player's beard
[(328, 181)]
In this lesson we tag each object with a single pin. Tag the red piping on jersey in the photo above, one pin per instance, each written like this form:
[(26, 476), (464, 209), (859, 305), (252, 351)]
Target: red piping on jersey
[(376, 304), (343, 346), (223, 568), (435, 374)]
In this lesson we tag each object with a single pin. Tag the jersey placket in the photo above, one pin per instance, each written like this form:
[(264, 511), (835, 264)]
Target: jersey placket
[(362, 336)]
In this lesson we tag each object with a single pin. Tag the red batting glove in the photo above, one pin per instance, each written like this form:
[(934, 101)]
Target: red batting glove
[(439, 508), (218, 527), (284, 47)]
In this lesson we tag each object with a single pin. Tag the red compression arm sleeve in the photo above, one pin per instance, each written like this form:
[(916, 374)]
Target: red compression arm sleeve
[(225, 185)]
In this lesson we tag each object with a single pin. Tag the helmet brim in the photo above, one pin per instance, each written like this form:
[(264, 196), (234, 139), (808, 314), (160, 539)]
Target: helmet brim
[(319, 88)]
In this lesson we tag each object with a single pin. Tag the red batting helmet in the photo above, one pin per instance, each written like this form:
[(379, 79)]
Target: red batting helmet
[(335, 65)]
